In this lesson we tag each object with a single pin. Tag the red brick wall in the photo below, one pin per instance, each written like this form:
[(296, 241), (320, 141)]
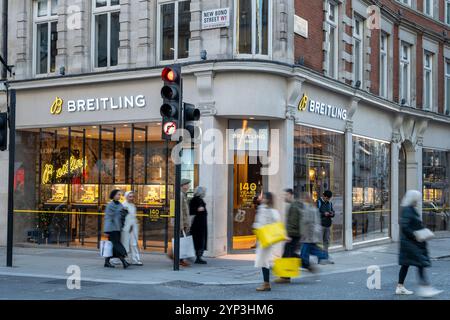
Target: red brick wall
[(420, 5), (442, 10), (311, 48)]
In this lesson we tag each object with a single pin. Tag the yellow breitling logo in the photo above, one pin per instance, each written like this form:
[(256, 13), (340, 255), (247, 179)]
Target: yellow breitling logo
[(56, 107), (303, 103)]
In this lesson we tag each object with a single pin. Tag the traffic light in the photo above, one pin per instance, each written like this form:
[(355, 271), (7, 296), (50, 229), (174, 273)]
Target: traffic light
[(172, 97), (3, 131), (191, 114)]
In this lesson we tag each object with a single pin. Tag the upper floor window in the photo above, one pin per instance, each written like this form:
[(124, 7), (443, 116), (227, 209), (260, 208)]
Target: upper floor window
[(174, 30), (384, 65), (45, 36), (331, 39), (106, 14), (405, 73), (253, 27), (358, 50), (447, 87), (428, 81), (447, 11), (428, 6), (407, 2)]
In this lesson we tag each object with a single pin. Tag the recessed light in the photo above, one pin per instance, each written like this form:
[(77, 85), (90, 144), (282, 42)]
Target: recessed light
[(89, 135), (159, 123), (94, 127), (125, 125), (140, 137), (251, 118)]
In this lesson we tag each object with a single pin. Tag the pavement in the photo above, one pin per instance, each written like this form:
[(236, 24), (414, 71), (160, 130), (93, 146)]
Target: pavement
[(45, 263)]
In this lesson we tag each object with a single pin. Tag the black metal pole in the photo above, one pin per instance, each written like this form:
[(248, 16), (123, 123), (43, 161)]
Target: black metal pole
[(12, 151), (4, 73), (166, 233)]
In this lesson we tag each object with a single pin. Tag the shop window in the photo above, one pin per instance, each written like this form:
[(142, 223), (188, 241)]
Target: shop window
[(428, 81), (371, 189), (384, 62), (318, 166), (331, 39), (45, 36), (358, 50), (106, 27), (174, 30), (253, 27), (436, 190), (405, 73)]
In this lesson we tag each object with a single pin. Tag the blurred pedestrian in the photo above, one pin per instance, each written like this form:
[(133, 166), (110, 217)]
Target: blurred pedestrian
[(112, 227), (185, 217), (293, 219), (265, 214), (311, 233), (130, 230), (326, 217), (199, 227), (412, 251)]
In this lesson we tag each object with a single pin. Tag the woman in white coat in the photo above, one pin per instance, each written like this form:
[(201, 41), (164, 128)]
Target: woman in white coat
[(265, 214), (130, 230)]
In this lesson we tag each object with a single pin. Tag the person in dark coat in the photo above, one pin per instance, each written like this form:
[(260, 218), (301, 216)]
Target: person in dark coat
[(199, 228), (113, 226), (412, 251)]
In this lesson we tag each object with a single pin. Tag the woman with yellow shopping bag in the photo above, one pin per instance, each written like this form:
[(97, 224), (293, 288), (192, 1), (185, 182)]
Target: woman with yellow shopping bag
[(265, 215)]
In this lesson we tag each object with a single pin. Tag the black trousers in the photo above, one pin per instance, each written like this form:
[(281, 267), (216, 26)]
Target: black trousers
[(118, 249), (290, 247), (404, 271)]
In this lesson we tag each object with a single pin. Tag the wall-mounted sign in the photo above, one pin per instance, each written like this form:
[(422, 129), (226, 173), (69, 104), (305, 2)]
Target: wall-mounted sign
[(248, 135), (217, 18), (98, 104), (75, 164), (321, 108), (301, 26)]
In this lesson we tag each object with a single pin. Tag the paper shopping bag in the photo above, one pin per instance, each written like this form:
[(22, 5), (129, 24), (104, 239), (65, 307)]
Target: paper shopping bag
[(270, 234), (187, 249), (106, 249), (287, 267)]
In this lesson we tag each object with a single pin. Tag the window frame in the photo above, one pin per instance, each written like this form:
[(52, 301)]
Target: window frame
[(428, 105), (406, 62), (330, 24), (384, 81), (358, 36), (447, 12), (108, 10), (447, 82), (425, 8), (159, 4), (47, 19), (253, 55)]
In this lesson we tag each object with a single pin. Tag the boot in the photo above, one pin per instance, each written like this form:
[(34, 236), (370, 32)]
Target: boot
[(199, 260), (124, 263), (264, 287), (108, 263)]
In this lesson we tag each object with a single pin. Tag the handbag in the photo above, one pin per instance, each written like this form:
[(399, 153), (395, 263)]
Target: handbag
[(123, 215), (106, 249), (187, 249), (287, 267), (270, 234), (423, 234)]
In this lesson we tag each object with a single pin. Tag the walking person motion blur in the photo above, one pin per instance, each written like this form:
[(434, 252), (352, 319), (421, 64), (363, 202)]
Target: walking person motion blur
[(413, 248), (265, 214), (311, 233), (326, 215), (113, 226), (199, 227), (293, 229), (130, 230)]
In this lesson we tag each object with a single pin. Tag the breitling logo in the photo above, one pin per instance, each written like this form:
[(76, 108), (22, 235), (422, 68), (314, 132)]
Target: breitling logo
[(56, 107), (303, 103)]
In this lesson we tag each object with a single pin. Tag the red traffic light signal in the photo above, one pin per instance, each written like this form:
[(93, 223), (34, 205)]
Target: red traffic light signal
[(170, 75)]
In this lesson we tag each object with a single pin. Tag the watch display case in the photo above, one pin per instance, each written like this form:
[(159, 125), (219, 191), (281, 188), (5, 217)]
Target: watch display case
[(85, 194), (58, 193), (107, 188), (153, 195)]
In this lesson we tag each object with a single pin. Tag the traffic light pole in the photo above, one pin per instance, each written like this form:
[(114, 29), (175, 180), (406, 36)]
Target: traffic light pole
[(177, 227), (12, 151)]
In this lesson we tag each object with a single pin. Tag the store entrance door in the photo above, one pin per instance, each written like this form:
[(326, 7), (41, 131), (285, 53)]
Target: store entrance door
[(247, 183)]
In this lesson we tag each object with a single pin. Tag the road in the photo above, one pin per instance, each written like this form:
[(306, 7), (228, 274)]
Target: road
[(346, 285)]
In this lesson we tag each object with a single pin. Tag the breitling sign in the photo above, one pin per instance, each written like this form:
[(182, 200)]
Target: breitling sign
[(321, 108)]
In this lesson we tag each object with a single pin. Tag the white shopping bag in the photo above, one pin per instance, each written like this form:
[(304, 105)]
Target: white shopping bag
[(106, 249), (186, 246)]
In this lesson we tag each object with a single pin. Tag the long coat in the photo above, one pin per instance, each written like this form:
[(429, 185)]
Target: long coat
[(199, 228), (184, 220), (130, 237), (113, 220), (412, 252), (264, 215)]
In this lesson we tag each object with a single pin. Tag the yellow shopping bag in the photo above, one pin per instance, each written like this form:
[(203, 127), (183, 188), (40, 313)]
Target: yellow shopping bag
[(287, 267), (270, 234)]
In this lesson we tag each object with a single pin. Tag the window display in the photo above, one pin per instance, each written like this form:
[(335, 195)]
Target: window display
[(318, 166), (85, 194), (371, 185), (59, 193)]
